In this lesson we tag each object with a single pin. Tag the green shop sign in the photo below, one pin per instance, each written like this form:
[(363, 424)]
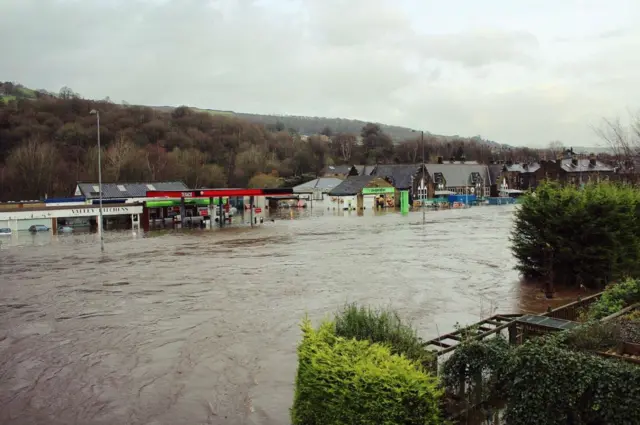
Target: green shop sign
[(377, 190)]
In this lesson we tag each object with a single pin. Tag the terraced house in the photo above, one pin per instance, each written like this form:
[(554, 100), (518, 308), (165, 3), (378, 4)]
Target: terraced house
[(455, 177), (574, 171), (521, 176)]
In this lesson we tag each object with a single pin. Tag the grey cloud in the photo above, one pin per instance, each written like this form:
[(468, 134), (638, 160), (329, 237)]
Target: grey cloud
[(354, 59), (481, 48), (609, 35)]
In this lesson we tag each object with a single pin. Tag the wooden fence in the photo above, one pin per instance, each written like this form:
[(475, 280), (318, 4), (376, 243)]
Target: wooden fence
[(573, 310)]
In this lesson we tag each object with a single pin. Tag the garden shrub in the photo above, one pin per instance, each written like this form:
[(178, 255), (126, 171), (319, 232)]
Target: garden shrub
[(590, 336), (547, 381), (551, 385), (349, 382), (477, 358), (615, 298), (592, 234), (382, 326)]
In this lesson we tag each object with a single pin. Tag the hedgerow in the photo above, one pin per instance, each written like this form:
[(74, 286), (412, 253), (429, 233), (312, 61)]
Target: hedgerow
[(550, 384), (349, 382), (588, 236), (549, 381)]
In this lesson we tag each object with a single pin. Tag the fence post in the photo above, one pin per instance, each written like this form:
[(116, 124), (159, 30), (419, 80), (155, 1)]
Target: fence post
[(477, 378), (513, 334)]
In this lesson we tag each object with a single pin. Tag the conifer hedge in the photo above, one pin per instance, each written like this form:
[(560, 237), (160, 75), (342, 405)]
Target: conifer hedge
[(346, 381), (587, 236)]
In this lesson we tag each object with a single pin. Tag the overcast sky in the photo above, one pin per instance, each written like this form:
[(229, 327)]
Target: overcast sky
[(522, 72)]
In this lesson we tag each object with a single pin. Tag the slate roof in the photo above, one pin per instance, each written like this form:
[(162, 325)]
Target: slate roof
[(333, 170), (337, 170), (584, 166), (131, 190), (400, 174), (365, 169), (351, 186), (494, 172), (324, 184), (523, 168), (446, 161), (457, 175)]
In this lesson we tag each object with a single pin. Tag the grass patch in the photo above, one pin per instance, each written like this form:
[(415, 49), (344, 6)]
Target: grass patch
[(25, 92), (214, 112), (382, 326), (7, 99)]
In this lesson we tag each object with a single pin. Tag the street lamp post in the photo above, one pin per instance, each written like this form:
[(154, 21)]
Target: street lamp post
[(422, 185), (100, 229), (423, 170)]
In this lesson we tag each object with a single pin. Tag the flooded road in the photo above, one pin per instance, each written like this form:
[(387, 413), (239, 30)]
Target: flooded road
[(200, 327)]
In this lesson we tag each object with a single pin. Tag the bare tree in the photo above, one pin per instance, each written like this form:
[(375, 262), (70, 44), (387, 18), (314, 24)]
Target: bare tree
[(157, 160), (623, 140), (118, 156), (33, 165), (555, 148), (343, 145)]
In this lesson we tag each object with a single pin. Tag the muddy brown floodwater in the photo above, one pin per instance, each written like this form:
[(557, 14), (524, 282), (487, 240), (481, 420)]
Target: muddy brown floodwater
[(201, 327)]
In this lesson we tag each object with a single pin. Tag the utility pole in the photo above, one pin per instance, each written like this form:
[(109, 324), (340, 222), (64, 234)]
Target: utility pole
[(100, 229), (422, 188), (423, 171)]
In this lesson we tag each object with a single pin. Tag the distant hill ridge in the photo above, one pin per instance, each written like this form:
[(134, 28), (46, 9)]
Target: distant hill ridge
[(308, 126), (304, 125)]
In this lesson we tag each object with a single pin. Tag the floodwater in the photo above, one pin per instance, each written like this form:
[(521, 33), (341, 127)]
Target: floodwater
[(201, 327)]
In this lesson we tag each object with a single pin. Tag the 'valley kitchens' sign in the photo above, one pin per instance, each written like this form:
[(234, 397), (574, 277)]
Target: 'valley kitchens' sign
[(91, 211)]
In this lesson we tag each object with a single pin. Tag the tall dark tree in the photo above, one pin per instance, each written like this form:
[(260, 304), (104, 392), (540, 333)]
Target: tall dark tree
[(378, 146)]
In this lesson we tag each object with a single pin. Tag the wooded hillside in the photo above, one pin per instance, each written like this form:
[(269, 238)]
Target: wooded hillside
[(48, 143)]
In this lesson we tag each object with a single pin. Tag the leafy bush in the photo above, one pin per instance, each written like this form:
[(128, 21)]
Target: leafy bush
[(351, 382), (591, 235), (477, 364), (546, 381), (591, 336), (615, 298), (554, 386), (382, 326)]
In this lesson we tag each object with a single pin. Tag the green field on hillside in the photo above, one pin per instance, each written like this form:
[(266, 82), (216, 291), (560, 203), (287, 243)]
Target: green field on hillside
[(25, 92), (214, 112)]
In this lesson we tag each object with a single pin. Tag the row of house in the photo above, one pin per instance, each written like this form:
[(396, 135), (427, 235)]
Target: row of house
[(466, 177), (568, 170), (428, 180)]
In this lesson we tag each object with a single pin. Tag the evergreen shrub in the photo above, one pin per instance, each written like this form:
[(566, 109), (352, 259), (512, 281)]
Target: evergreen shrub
[(550, 384), (592, 234), (383, 326), (349, 382), (548, 380)]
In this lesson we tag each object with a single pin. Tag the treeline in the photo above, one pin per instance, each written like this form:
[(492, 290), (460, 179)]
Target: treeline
[(48, 143), (315, 125), (310, 125)]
